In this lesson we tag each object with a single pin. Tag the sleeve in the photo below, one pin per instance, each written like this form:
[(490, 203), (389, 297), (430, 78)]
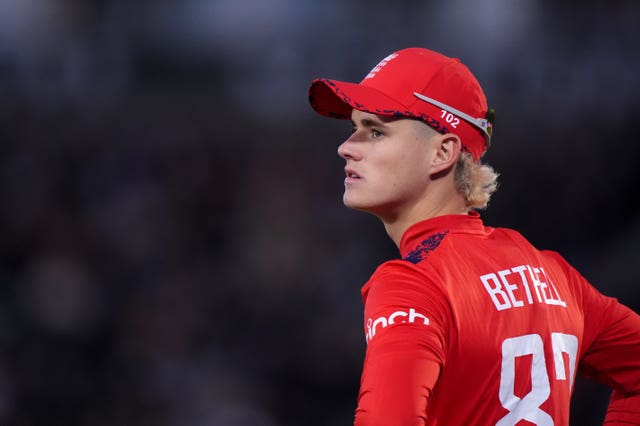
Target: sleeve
[(405, 328), (612, 354)]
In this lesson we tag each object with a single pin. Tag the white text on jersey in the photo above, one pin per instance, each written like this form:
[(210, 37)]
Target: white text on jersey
[(520, 285), (394, 318)]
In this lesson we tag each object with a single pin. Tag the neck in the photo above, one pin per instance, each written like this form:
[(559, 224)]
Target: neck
[(429, 207)]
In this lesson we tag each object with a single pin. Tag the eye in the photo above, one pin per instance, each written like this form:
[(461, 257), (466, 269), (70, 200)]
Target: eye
[(375, 133)]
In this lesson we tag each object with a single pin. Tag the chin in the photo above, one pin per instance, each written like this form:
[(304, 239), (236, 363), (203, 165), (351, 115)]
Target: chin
[(359, 204), (352, 202)]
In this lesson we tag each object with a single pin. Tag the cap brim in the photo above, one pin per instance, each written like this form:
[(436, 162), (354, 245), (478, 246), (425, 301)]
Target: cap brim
[(337, 99)]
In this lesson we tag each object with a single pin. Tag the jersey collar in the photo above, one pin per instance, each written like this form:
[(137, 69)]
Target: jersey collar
[(416, 234)]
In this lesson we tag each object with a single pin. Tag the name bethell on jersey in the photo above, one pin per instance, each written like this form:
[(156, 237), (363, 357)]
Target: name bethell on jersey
[(501, 290)]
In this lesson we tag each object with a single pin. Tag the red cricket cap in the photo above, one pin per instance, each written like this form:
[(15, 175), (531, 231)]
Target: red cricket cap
[(414, 83)]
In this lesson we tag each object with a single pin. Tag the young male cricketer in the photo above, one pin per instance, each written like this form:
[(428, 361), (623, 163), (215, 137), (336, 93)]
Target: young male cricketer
[(472, 325)]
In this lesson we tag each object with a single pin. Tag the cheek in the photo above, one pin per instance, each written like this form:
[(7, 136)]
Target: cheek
[(405, 182), (404, 170), (409, 171)]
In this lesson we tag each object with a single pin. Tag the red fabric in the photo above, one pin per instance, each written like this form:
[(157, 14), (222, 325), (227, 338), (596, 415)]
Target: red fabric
[(389, 89), (483, 329)]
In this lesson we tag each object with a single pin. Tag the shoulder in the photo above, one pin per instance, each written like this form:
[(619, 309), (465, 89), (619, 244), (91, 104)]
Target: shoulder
[(401, 290), (401, 278), (400, 272)]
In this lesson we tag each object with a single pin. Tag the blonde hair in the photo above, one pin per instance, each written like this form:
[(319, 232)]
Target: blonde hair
[(475, 181)]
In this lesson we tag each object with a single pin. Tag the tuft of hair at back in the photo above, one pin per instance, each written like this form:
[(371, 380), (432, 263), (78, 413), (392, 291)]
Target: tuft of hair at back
[(475, 181)]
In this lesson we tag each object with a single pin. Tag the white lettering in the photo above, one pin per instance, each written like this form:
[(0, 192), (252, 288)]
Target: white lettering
[(552, 288), (507, 288), (413, 315), (495, 291), (510, 287), (393, 316), (543, 287), (535, 282), (520, 270), (383, 322)]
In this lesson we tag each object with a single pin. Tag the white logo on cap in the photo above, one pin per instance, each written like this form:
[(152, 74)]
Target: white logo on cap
[(380, 65)]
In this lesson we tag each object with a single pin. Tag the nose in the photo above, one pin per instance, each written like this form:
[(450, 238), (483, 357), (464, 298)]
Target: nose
[(348, 150)]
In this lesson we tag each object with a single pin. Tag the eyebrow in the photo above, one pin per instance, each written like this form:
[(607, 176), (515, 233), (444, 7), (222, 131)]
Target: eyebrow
[(368, 122)]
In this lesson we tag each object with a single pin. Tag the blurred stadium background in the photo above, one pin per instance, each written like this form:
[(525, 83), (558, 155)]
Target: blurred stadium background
[(173, 247)]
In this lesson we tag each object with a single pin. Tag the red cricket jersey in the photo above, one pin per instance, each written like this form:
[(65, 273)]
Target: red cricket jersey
[(474, 326)]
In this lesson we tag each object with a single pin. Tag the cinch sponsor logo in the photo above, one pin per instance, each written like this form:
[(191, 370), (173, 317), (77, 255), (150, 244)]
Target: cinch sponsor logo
[(398, 317)]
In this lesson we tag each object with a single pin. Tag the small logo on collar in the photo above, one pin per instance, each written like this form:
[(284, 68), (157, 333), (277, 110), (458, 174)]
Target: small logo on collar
[(425, 247)]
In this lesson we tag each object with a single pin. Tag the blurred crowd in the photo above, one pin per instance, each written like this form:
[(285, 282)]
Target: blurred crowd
[(173, 247)]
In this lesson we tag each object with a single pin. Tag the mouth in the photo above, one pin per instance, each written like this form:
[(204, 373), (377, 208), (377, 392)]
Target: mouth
[(352, 176)]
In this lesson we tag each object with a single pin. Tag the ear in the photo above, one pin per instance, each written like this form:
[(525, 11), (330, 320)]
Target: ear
[(448, 148)]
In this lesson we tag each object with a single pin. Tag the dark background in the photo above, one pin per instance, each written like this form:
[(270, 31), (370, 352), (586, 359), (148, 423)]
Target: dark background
[(173, 246)]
